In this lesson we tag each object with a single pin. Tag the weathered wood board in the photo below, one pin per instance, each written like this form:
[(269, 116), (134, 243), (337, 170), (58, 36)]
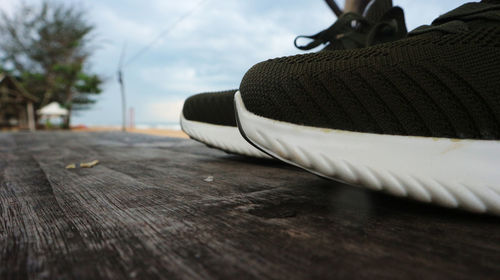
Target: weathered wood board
[(150, 209)]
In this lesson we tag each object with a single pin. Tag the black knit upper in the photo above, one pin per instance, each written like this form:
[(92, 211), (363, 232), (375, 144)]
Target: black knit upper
[(444, 81), (381, 23), (212, 107)]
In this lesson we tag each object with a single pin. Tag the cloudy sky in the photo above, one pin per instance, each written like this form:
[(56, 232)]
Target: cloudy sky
[(209, 50)]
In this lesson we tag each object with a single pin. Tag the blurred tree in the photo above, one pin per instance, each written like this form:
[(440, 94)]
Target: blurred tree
[(47, 46)]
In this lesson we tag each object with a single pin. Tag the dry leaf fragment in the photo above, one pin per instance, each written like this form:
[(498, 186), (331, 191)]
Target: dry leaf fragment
[(209, 179), (89, 164), (71, 166)]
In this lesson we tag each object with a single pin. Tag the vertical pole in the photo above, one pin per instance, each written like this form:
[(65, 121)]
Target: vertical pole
[(356, 6), (124, 104), (131, 118), (122, 89), (31, 116)]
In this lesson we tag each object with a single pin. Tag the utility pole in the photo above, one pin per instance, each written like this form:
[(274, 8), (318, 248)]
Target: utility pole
[(131, 118), (124, 103), (121, 65), (122, 90)]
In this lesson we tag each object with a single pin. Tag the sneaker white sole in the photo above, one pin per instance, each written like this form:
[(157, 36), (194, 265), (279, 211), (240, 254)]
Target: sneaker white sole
[(226, 138), (448, 172)]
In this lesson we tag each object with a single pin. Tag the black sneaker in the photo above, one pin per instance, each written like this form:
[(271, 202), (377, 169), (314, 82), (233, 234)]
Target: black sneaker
[(209, 117), (417, 118)]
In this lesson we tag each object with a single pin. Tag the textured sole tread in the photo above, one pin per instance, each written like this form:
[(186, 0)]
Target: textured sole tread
[(480, 198), (225, 138)]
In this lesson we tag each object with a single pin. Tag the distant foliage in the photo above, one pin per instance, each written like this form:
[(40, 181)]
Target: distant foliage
[(47, 47)]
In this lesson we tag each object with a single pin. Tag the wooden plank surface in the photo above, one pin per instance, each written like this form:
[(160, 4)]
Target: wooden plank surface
[(150, 210)]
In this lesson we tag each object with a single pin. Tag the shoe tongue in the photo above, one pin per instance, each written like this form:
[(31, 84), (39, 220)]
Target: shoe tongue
[(376, 10), (487, 9)]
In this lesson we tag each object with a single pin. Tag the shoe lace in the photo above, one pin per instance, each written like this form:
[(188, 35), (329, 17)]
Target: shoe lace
[(352, 30), (456, 20), (347, 27)]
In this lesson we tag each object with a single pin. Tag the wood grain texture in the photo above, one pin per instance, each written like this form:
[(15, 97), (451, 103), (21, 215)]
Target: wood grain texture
[(147, 212)]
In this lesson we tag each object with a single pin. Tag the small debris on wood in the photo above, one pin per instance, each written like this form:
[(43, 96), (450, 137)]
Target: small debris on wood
[(71, 166), (89, 164), (209, 179), (82, 165)]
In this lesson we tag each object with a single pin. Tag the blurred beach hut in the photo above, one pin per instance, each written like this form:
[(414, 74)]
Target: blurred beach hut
[(16, 104), (53, 113)]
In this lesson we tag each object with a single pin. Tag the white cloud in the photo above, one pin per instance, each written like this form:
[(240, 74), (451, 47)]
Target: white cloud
[(121, 27), (8, 6), (184, 79), (164, 110)]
